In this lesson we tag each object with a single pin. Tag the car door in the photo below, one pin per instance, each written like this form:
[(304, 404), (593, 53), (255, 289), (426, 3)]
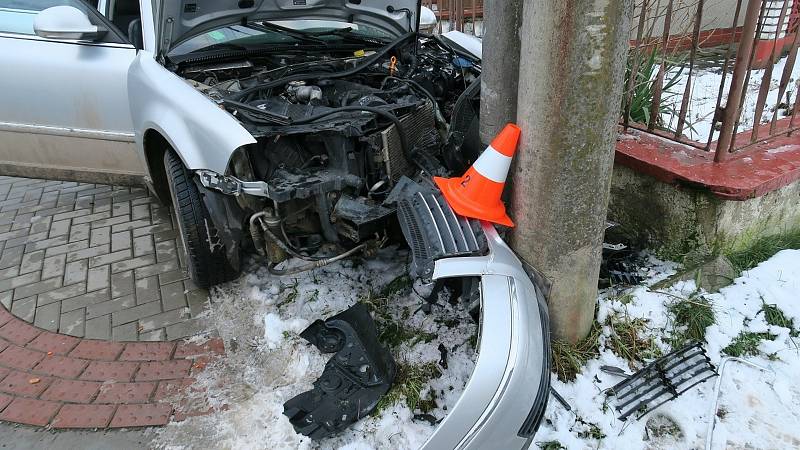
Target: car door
[(64, 111)]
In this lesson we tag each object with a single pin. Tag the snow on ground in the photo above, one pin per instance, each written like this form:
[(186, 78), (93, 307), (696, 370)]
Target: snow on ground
[(260, 316), (705, 87), (757, 410)]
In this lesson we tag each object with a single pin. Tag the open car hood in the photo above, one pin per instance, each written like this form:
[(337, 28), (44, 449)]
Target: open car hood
[(183, 19)]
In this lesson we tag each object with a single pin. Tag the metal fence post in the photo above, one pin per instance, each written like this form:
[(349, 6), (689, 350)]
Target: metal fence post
[(731, 111)]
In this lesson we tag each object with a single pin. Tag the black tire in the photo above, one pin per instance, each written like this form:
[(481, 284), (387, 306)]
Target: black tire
[(205, 252)]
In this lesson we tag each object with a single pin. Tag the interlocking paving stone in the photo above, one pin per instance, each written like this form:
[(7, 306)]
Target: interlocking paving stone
[(11, 256), (126, 332), (110, 258), (75, 272), (20, 358), (143, 351), (9, 272), (37, 288), (163, 370), (109, 371), (133, 263), (121, 241), (21, 280), (97, 350), (155, 335), (54, 266), (62, 293), (24, 308), (121, 284), (48, 316), (24, 384), (92, 251), (60, 366), (141, 415), (18, 332), (72, 391), (31, 262), (58, 344), (186, 328), (58, 228), (5, 399), (163, 319), (98, 278), (156, 269), (57, 243), (80, 232), (110, 221), (72, 322), (98, 328), (84, 416), (69, 250), (143, 245), (29, 411), (100, 236), (5, 298), (69, 247), (135, 313), (172, 276), (173, 297), (105, 308), (125, 393), (84, 300), (147, 290)]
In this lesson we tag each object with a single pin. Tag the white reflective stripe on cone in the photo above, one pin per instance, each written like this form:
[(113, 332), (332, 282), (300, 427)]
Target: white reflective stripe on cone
[(493, 165)]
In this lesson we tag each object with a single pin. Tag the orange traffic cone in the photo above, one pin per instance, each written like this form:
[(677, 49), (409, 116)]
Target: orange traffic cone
[(477, 193)]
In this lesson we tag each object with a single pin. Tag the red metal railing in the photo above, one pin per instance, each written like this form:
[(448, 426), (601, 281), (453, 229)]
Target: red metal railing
[(461, 15), (679, 36)]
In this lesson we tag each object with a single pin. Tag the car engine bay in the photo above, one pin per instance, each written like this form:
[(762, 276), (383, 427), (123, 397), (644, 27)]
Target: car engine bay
[(336, 129)]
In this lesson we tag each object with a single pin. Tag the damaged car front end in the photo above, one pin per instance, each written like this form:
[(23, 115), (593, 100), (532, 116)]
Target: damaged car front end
[(337, 110), (323, 114)]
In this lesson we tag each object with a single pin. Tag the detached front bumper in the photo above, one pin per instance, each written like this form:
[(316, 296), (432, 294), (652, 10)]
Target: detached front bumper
[(504, 400)]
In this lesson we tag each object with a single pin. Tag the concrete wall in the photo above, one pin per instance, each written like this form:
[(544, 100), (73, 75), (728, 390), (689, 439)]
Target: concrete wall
[(679, 222)]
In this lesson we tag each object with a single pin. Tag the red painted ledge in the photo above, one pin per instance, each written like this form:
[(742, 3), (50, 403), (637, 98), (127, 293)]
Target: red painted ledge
[(759, 169)]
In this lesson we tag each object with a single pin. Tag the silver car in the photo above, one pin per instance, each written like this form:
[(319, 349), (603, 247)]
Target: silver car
[(279, 127)]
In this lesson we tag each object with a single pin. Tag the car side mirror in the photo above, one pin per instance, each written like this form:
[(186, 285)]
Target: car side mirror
[(66, 22)]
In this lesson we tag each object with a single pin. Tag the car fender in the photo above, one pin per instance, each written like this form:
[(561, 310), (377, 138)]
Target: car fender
[(466, 42), (203, 134)]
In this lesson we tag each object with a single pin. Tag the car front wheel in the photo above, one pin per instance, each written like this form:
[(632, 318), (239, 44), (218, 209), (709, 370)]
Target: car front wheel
[(205, 252)]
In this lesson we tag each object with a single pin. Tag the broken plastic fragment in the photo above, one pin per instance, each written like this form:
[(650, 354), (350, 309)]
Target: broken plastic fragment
[(353, 381)]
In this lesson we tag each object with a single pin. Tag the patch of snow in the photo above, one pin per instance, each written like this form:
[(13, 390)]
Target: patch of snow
[(703, 99), (784, 148), (757, 409), (266, 367), (260, 317)]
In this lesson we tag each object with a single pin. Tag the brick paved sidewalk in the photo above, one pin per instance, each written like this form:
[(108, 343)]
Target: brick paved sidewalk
[(100, 262), (94, 261), (49, 379)]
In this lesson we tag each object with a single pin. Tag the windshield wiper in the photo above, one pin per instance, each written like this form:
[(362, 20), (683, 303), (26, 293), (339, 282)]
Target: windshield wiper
[(347, 33), (299, 35), (221, 46)]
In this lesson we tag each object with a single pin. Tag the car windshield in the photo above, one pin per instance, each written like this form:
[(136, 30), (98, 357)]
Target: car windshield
[(257, 34)]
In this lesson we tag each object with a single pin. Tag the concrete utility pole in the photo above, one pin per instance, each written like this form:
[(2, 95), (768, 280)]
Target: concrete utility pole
[(572, 62), (500, 65)]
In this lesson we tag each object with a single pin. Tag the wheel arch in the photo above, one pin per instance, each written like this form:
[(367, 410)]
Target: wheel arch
[(155, 146)]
